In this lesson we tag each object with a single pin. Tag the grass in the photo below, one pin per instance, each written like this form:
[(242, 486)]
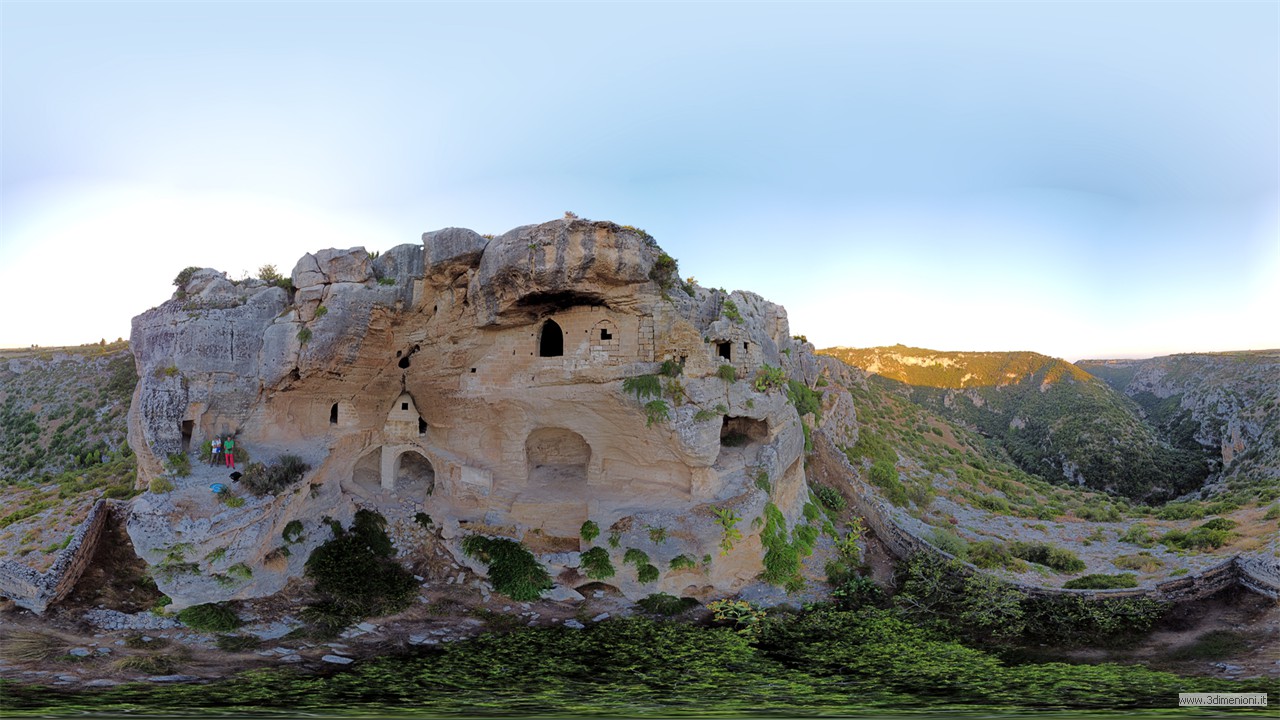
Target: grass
[(513, 570), (27, 646), (1102, 582), (727, 373), (155, 664), (1213, 645), (1143, 561), (210, 617), (238, 643)]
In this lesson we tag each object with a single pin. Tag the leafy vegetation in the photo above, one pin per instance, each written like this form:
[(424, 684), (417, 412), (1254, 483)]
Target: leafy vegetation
[(770, 378), (210, 617), (261, 479), (667, 605), (357, 574), (597, 564), (728, 520), (727, 373), (656, 411), (589, 531), (1102, 582), (513, 570)]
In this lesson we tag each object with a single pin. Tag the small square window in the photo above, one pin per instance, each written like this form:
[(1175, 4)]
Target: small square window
[(404, 406), (605, 334)]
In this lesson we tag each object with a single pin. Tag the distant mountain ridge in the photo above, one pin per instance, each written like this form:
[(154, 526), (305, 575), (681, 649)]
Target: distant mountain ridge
[(1052, 418), (1227, 402)]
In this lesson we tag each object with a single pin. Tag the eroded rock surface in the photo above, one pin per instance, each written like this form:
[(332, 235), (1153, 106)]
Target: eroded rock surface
[(480, 382)]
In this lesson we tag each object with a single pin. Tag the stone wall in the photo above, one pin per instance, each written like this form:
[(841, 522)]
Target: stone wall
[(1254, 573), (37, 591)]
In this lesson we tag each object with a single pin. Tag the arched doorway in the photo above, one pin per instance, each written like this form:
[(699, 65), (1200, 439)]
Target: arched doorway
[(415, 475), (551, 340), (555, 497)]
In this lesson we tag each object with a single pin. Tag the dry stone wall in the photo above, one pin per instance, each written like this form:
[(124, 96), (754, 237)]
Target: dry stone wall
[(36, 591)]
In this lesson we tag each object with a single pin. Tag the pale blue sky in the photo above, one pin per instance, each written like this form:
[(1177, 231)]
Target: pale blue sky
[(1079, 179)]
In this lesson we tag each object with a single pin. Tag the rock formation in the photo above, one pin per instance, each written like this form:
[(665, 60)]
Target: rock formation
[(478, 381)]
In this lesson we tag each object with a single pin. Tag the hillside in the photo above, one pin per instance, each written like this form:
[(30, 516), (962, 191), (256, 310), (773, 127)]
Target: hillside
[(1227, 403), (63, 431), (1050, 418)]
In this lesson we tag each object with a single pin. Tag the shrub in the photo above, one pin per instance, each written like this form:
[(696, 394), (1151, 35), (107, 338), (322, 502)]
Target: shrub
[(727, 373), (262, 479), (1143, 561), (160, 485), (830, 498), (664, 269), (657, 535), (761, 478), (1273, 513), (989, 554), (664, 604), (210, 617), (643, 386), (805, 399), (1208, 536), (179, 464), (293, 532), (589, 531), (1139, 535), (514, 571), (269, 274), (656, 411), (1181, 511), (321, 311), (597, 565), (635, 557), (182, 279), (387, 281), (744, 617), (670, 368), (355, 570), (1100, 581), (682, 562), (730, 309), (727, 519), (770, 378), (423, 520), (704, 415), (238, 643), (884, 475), (647, 573), (304, 335), (949, 542), (1059, 559), (240, 571)]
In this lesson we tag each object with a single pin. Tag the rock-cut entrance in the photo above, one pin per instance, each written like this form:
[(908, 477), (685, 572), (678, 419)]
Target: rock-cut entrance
[(555, 496)]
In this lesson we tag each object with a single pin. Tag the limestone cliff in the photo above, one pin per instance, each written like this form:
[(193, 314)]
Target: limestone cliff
[(479, 381)]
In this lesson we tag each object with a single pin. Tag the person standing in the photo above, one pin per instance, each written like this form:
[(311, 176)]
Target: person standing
[(229, 449), (215, 448)]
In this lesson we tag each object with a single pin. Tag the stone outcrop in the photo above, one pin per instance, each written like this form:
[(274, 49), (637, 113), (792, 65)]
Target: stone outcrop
[(480, 382)]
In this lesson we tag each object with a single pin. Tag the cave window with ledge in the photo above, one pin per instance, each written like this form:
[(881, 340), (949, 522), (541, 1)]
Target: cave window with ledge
[(333, 414), (551, 340), (725, 350)]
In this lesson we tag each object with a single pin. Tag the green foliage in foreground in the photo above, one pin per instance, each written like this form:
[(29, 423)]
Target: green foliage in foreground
[(356, 572), (822, 661), (513, 570)]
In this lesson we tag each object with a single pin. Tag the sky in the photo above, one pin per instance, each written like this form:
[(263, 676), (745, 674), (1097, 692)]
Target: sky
[(1078, 179)]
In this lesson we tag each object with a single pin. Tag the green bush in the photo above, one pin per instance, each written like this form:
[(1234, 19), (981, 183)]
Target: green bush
[(682, 562), (1139, 535), (1059, 559), (989, 554), (1208, 536), (727, 373), (304, 335), (160, 485), (884, 475), (179, 464), (597, 565), (210, 617), (262, 479), (643, 386), (730, 309), (589, 531), (1143, 561), (355, 570), (635, 557), (949, 542), (656, 411), (513, 570), (1100, 581), (770, 378), (647, 573), (670, 368), (387, 281), (182, 279), (805, 399), (664, 604), (830, 498), (292, 532), (704, 415)]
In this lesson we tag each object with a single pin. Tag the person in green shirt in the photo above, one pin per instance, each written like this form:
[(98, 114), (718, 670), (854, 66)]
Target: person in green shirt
[(229, 449)]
